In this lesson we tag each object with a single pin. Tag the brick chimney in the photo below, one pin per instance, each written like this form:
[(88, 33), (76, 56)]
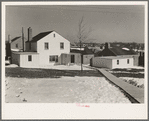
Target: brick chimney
[(107, 45), (29, 34)]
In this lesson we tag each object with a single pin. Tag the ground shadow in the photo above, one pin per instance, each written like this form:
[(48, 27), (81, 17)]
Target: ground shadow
[(48, 73), (133, 75)]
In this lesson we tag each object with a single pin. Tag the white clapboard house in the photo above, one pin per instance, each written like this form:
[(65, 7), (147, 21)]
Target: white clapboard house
[(115, 57), (41, 50)]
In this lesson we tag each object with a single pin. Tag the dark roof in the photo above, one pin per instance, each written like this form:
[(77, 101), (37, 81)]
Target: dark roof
[(14, 39), (115, 51), (75, 51), (87, 51), (39, 36), (120, 51)]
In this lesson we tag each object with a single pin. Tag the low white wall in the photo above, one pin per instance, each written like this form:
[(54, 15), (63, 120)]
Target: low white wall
[(25, 63), (122, 63), (101, 62)]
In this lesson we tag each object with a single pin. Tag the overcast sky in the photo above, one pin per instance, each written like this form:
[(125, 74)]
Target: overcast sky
[(108, 23)]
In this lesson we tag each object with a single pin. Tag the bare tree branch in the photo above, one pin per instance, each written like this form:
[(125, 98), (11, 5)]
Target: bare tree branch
[(83, 31)]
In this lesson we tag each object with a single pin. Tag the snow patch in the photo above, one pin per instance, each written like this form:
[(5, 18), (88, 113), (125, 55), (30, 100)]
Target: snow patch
[(125, 49)]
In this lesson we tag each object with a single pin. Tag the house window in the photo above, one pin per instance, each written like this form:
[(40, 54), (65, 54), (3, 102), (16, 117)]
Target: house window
[(16, 45), (46, 46), (61, 45), (53, 35), (29, 58), (127, 61), (117, 62), (53, 58)]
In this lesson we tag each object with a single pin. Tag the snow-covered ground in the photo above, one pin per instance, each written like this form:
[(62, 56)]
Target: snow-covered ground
[(139, 82), (62, 90), (11, 65), (60, 67), (126, 72), (65, 67)]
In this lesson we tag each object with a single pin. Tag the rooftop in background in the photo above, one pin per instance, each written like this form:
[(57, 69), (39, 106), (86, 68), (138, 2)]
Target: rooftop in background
[(121, 51), (14, 39)]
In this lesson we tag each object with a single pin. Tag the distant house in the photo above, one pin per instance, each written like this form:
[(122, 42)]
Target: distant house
[(115, 57), (17, 44), (43, 49)]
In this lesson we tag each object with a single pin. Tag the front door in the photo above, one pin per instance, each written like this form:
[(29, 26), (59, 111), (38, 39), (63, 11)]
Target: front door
[(72, 58)]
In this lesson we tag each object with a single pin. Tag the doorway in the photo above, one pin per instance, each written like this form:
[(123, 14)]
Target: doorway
[(72, 58)]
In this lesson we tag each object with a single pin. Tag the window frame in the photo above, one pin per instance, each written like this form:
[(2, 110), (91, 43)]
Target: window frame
[(17, 45), (46, 46), (61, 43), (118, 62), (128, 61), (29, 58), (53, 58)]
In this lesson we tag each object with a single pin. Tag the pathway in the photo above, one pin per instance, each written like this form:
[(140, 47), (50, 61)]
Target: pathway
[(134, 93)]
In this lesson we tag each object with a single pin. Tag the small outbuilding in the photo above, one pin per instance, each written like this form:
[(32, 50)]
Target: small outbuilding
[(71, 58), (25, 59), (112, 62), (119, 52)]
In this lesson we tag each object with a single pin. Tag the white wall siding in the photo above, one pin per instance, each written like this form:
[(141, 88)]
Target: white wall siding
[(122, 63), (111, 63), (54, 47), (101, 62), (25, 63)]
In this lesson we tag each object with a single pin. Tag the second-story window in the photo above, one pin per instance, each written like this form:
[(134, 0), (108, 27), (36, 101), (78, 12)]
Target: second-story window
[(46, 45), (61, 45), (127, 61), (117, 62), (16, 45), (53, 35)]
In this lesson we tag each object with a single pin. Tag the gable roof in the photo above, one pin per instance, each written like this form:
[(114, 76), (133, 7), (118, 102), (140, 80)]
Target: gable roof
[(14, 39), (87, 51), (121, 51), (116, 51), (40, 36)]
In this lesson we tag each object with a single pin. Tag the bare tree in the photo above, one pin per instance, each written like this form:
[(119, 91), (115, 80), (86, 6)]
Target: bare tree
[(83, 35), (83, 31)]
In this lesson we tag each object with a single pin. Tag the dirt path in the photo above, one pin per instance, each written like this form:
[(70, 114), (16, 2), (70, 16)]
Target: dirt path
[(62, 90)]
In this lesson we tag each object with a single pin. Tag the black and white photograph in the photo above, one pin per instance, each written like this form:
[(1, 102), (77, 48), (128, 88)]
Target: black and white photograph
[(78, 54)]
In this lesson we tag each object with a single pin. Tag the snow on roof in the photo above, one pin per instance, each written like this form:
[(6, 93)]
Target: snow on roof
[(125, 49), (115, 57)]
